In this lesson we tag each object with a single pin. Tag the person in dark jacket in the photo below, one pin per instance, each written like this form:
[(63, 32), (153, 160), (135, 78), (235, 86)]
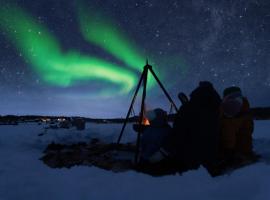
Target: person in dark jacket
[(205, 112), (178, 145), (195, 136), (154, 135)]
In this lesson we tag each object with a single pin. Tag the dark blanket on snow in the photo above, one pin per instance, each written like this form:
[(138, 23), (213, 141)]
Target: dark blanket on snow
[(119, 158), (113, 157)]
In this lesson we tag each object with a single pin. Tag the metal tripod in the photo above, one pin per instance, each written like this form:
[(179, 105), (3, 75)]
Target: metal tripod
[(143, 79)]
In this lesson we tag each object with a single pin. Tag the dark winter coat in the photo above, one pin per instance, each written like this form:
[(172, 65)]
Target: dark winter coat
[(205, 111), (195, 136)]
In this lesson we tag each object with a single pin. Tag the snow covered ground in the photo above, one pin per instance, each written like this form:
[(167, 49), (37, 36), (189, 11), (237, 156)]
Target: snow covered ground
[(24, 176)]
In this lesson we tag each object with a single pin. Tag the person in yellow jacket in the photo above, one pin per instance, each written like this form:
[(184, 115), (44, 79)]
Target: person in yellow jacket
[(236, 125)]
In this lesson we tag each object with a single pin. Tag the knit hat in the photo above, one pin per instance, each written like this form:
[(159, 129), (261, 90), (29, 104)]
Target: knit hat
[(232, 90), (232, 101)]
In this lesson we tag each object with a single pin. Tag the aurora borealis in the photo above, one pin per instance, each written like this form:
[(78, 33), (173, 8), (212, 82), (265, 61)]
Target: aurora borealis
[(64, 69), (85, 57), (104, 34)]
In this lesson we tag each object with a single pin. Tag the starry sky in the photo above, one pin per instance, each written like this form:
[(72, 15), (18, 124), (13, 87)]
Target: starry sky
[(84, 58)]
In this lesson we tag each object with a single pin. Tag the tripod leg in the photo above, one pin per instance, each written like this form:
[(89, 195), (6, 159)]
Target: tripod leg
[(130, 107), (141, 115), (164, 90)]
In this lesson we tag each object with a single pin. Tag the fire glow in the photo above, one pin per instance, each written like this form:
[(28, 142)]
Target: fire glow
[(145, 121)]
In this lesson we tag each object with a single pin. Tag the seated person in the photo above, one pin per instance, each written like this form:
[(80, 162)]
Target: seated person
[(154, 135), (195, 135), (236, 125)]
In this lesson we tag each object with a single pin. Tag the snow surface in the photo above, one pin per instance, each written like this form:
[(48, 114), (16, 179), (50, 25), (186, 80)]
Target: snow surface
[(24, 176)]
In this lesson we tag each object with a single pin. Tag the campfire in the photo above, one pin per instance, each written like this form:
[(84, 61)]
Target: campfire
[(145, 121), (140, 127)]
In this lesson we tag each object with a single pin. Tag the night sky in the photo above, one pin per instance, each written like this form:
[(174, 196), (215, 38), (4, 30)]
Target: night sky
[(84, 58)]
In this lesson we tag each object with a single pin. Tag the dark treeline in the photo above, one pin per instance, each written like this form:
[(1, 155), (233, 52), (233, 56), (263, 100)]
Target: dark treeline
[(259, 113)]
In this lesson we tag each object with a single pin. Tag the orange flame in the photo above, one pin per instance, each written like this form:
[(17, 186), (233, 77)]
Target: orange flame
[(145, 121)]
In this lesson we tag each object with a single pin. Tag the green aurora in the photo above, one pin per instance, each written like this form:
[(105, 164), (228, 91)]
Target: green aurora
[(102, 32), (56, 68)]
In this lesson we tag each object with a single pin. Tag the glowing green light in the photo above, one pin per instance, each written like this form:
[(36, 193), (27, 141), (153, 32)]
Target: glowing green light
[(55, 67), (102, 32)]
